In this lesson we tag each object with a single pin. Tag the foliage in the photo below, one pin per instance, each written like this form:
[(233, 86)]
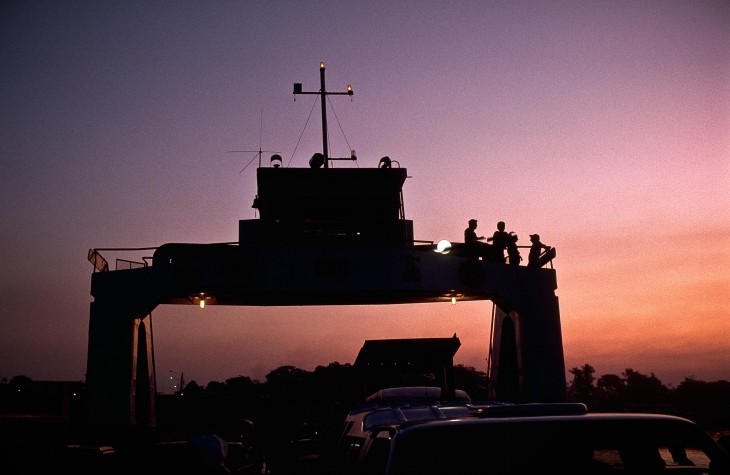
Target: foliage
[(629, 391), (634, 391), (340, 386), (582, 386)]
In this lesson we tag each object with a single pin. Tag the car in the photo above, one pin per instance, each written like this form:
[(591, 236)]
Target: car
[(390, 406), (530, 438)]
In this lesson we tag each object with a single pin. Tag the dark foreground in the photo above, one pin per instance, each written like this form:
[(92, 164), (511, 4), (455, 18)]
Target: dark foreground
[(281, 440)]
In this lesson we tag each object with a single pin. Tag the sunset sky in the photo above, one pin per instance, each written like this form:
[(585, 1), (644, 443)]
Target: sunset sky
[(604, 126)]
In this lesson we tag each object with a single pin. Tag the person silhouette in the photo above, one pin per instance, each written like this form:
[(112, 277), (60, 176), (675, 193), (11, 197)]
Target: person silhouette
[(500, 241), (533, 260), (472, 241), (513, 252), (470, 233)]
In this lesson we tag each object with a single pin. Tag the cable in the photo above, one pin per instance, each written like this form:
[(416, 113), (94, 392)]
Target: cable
[(300, 136), (349, 148)]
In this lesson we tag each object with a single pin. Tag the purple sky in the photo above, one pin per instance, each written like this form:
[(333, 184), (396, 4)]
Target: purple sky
[(603, 126)]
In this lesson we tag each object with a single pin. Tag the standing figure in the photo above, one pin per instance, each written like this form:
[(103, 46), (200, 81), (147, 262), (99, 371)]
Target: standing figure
[(500, 241), (533, 259), (470, 234), (513, 252), (478, 249)]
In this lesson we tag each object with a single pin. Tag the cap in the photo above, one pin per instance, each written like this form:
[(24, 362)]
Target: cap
[(534, 237), (472, 220)]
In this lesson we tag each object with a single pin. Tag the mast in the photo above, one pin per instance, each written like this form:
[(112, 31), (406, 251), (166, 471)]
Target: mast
[(322, 93), (323, 101)]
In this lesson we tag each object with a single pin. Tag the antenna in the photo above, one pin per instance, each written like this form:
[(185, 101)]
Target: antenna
[(258, 152), (323, 93)]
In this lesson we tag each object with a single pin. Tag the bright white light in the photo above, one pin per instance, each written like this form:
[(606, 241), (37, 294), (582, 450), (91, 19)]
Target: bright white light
[(202, 302), (453, 300), (443, 246)]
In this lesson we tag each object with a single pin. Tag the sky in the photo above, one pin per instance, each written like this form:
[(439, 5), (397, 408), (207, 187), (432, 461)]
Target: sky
[(602, 126)]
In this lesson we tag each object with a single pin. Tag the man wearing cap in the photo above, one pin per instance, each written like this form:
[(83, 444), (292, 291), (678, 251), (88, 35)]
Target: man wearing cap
[(535, 250)]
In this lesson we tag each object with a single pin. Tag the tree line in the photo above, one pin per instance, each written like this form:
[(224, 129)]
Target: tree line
[(706, 401), (342, 385)]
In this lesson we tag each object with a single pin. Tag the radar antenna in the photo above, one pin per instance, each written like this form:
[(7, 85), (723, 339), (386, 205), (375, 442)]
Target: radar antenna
[(258, 152)]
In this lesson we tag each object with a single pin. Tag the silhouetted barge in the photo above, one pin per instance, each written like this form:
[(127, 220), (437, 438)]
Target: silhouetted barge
[(324, 236)]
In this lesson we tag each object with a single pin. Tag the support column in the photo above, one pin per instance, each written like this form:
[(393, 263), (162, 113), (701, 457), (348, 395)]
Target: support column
[(109, 372), (120, 378), (527, 363)]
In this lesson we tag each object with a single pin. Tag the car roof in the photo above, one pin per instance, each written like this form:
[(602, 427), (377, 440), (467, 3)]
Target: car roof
[(598, 425), (416, 413), (500, 439), (552, 416), (398, 412)]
